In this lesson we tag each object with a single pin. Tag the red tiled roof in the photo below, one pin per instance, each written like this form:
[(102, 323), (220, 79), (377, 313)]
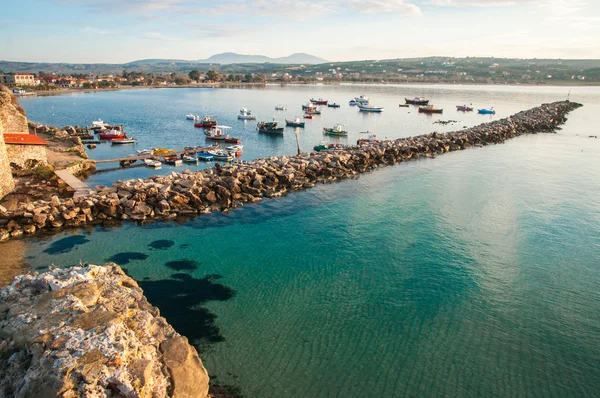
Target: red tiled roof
[(24, 139)]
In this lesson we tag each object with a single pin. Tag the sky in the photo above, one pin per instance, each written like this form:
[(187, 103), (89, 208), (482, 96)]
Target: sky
[(116, 31)]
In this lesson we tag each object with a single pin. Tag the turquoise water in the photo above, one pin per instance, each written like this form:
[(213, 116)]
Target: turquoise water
[(473, 274)]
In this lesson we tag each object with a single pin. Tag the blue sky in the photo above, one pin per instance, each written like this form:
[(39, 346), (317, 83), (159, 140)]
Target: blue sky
[(115, 31)]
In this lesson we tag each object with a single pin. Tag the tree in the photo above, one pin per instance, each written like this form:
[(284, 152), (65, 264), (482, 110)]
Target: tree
[(211, 75), (194, 75)]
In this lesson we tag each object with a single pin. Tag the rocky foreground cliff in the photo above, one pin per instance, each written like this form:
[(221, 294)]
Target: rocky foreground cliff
[(90, 332)]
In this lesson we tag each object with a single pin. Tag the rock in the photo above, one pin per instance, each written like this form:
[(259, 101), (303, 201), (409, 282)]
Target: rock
[(28, 229), (211, 197), (185, 368)]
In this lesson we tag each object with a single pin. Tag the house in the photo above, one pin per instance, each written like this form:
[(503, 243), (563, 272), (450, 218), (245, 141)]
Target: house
[(18, 79), (25, 150)]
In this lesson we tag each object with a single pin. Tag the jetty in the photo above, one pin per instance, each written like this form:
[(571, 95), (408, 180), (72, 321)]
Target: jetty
[(220, 188), (81, 188)]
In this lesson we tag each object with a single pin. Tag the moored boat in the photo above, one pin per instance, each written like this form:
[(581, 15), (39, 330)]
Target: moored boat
[(280, 107), (217, 133), (353, 102), (98, 125), (334, 105), (370, 108), (246, 114), (362, 100), (319, 101), (206, 122), (464, 108), (189, 159), (269, 128), (235, 148), (204, 156), (172, 160), (315, 111), (417, 101), (111, 134), (484, 111), (141, 152), (372, 138), (309, 107), (192, 117), (122, 141), (294, 123), (153, 163), (232, 140), (308, 116), (335, 130), (219, 154), (430, 109), (325, 147)]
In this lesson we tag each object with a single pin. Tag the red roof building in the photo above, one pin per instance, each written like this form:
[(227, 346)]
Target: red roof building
[(24, 139)]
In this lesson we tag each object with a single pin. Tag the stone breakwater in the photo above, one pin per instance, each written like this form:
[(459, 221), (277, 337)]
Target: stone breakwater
[(90, 332), (222, 188)]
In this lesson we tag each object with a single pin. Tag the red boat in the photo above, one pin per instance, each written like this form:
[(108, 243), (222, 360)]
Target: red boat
[(206, 123), (233, 140), (309, 116), (111, 134), (320, 101)]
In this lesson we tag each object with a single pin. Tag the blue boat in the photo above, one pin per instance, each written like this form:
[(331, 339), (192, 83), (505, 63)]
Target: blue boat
[(206, 157), (486, 111)]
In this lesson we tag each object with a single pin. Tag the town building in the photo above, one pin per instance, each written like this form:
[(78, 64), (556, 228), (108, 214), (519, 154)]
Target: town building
[(18, 79)]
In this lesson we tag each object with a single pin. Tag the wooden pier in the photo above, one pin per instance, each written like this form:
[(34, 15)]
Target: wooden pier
[(80, 187)]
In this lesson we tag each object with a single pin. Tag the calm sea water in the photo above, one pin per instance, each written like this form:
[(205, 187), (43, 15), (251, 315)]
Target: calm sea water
[(473, 274)]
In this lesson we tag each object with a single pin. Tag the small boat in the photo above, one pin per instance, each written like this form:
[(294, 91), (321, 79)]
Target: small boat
[(192, 117), (320, 101), (172, 160), (308, 116), (353, 102), (153, 163), (334, 105), (294, 123), (308, 107), (189, 159), (205, 156), (269, 128), (111, 134), (464, 108), (417, 101), (430, 109), (122, 141), (98, 124), (206, 123), (232, 140), (484, 111), (142, 152), (362, 100), (370, 139), (217, 133), (221, 155), (315, 111), (245, 114), (235, 148), (370, 108), (325, 147), (403, 105), (280, 107), (335, 130)]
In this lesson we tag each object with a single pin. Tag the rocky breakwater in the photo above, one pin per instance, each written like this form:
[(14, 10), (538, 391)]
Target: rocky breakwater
[(222, 188), (90, 332)]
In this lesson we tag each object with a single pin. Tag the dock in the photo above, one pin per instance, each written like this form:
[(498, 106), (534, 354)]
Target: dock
[(80, 187)]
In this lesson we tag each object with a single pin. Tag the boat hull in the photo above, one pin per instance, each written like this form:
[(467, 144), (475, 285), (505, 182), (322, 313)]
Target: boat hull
[(416, 102), (205, 125), (421, 110), (319, 102), (278, 130), (294, 124)]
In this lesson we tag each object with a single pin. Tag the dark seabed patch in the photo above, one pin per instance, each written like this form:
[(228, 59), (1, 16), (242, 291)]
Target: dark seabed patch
[(126, 257), (179, 300), (67, 244), (161, 244), (184, 245), (183, 265)]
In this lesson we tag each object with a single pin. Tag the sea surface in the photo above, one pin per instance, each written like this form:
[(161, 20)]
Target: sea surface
[(472, 274)]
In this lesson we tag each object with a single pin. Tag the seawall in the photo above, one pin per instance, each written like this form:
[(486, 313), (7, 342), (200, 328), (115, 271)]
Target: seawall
[(90, 332), (222, 188)]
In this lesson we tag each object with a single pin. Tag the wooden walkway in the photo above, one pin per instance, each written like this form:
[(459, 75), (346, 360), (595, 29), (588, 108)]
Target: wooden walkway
[(80, 187)]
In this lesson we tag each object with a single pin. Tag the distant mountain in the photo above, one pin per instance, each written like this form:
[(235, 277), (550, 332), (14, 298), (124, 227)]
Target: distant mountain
[(234, 58)]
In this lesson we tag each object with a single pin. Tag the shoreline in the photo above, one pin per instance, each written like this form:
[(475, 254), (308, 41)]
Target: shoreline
[(221, 188)]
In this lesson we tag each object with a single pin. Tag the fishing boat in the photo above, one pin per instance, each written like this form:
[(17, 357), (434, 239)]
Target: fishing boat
[(269, 128), (335, 130), (353, 102), (204, 156), (142, 152), (153, 163), (334, 105), (189, 159), (315, 111), (172, 160), (111, 134), (484, 111), (417, 101), (217, 133), (309, 116), (235, 148), (206, 123), (370, 108), (362, 100), (232, 140), (294, 123), (370, 139), (122, 141), (280, 107), (403, 105), (245, 114), (320, 101), (464, 108), (219, 154), (192, 117), (98, 125), (308, 107), (430, 109)]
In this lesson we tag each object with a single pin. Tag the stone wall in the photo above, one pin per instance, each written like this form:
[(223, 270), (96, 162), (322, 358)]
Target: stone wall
[(90, 332), (7, 184), (23, 155), (13, 121)]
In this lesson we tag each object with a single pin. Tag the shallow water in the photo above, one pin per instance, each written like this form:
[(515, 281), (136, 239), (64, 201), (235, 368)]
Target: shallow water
[(472, 274)]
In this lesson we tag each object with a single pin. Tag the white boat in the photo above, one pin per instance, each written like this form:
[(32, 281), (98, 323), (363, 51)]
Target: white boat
[(144, 151), (280, 107), (189, 159), (221, 155), (153, 163), (245, 114), (362, 100), (99, 124), (122, 141), (235, 148), (353, 102), (370, 108), (217, 133), (192, 117)]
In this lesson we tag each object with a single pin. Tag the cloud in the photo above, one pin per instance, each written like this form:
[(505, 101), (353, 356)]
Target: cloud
[(385, 6), (93, 30), (157, 36)]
